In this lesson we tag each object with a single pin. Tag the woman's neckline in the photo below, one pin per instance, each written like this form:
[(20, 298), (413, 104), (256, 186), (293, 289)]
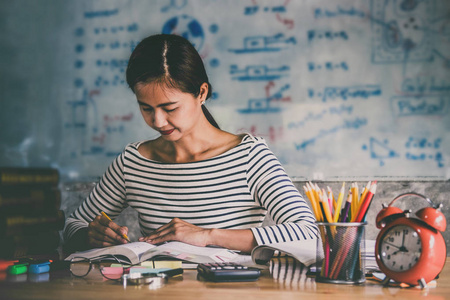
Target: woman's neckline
[(138, 144)]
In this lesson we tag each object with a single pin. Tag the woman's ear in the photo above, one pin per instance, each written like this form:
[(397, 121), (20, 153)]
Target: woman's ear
[(204, 88)]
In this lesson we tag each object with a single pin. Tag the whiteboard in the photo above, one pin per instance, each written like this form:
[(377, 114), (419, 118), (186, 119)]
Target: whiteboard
[(339, 89)]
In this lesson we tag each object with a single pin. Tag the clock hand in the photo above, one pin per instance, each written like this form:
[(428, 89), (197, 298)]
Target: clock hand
[(392, 245), (401, 249)]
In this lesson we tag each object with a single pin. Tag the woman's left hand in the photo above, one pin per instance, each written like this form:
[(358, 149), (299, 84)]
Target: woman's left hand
[(179, 230)]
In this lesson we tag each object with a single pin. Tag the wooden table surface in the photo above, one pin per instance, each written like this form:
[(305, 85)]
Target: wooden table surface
[(277, 285)]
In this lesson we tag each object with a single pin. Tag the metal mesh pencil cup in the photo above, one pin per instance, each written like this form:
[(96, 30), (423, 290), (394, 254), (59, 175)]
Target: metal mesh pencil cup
[(342, 245)]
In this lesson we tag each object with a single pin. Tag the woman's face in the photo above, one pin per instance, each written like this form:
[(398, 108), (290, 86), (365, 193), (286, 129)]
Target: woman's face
[(172, 113)]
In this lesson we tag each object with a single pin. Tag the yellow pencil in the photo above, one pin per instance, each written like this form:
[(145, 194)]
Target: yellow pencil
[(326, 207), (327, 213), (361, 200), (313, 202), (316, 195), (354, 198), (318, 192), (365, 191), (339, 203), (314, 198), (123, 235)]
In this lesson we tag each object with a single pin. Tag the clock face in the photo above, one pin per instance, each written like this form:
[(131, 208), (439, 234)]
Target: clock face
[(400, 248)]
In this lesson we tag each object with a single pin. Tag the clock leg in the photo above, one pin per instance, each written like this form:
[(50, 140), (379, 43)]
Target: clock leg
[(422, 283), (385, 281)]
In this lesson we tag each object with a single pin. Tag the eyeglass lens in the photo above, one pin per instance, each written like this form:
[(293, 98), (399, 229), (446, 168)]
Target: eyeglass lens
[(80, 266), (112, 270)]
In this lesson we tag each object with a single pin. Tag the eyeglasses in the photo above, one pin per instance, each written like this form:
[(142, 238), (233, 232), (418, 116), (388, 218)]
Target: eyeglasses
[(111, 269)]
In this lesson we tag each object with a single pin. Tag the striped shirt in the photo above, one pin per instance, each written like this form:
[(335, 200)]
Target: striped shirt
[(234, 190)]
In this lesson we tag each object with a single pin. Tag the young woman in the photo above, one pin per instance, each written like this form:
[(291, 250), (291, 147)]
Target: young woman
[(195, 183)]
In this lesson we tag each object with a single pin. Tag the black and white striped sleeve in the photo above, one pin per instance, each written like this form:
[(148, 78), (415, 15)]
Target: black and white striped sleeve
[(272, 188), (108, 196)]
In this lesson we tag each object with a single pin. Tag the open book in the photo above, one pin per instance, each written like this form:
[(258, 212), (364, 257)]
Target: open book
[(304, 251), (137, 252)]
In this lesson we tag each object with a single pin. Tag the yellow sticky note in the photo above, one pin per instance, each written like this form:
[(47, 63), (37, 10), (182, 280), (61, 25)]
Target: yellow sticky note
[(157, 264)]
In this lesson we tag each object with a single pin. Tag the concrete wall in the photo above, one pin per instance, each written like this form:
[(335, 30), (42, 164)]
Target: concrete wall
[(438, 191)]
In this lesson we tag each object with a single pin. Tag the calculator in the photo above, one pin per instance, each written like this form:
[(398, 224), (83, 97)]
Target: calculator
[(227, 272)]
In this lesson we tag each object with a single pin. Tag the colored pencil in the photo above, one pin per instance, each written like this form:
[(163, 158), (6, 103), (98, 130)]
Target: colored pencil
[(356, 253), (354, 199), (331, 200), (342, 254), (315, 196), (365, 205), (326, 207), (327, 256), (361, 200), (313, 202), (337, 210), (340, 251), (346, 211)]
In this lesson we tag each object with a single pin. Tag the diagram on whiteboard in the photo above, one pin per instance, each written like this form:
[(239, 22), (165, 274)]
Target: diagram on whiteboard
[(399, 35)]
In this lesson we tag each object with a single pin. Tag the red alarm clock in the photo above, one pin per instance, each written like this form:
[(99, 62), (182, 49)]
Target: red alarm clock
[(411, 250)]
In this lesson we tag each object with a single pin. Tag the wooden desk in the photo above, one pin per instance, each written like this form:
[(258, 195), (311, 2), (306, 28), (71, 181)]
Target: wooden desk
[(61, 285)]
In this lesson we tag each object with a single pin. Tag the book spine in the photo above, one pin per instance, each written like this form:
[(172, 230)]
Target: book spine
[(14, 200), (22, 224), (28, 176)]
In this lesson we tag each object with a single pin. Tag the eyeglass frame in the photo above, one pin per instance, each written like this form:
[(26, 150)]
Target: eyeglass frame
[(143, 279), (92, 262)]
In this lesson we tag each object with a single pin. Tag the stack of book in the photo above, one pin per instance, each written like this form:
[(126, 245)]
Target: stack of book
[(30, 214)]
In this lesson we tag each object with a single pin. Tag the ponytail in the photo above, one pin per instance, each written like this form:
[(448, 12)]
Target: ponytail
[(209, 117)]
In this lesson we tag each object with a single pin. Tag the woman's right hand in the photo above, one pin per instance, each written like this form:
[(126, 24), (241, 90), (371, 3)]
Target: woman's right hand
[(103, 232)]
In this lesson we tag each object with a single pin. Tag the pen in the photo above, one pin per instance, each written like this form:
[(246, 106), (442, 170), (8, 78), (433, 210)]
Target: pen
[(123, 235), (150, 272), (172, 272)]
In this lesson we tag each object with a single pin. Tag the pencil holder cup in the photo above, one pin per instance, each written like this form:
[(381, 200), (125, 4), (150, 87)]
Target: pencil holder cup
[(342, 245)]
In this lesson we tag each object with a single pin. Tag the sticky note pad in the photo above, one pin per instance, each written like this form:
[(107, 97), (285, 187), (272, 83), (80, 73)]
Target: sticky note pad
[(158, 264), (145, 270)]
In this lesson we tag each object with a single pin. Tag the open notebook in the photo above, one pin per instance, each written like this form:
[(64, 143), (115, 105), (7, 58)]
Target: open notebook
[(303, 251), (137, 252)]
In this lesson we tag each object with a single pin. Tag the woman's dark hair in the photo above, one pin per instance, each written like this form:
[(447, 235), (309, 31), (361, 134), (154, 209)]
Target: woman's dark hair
[(170, 60)]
